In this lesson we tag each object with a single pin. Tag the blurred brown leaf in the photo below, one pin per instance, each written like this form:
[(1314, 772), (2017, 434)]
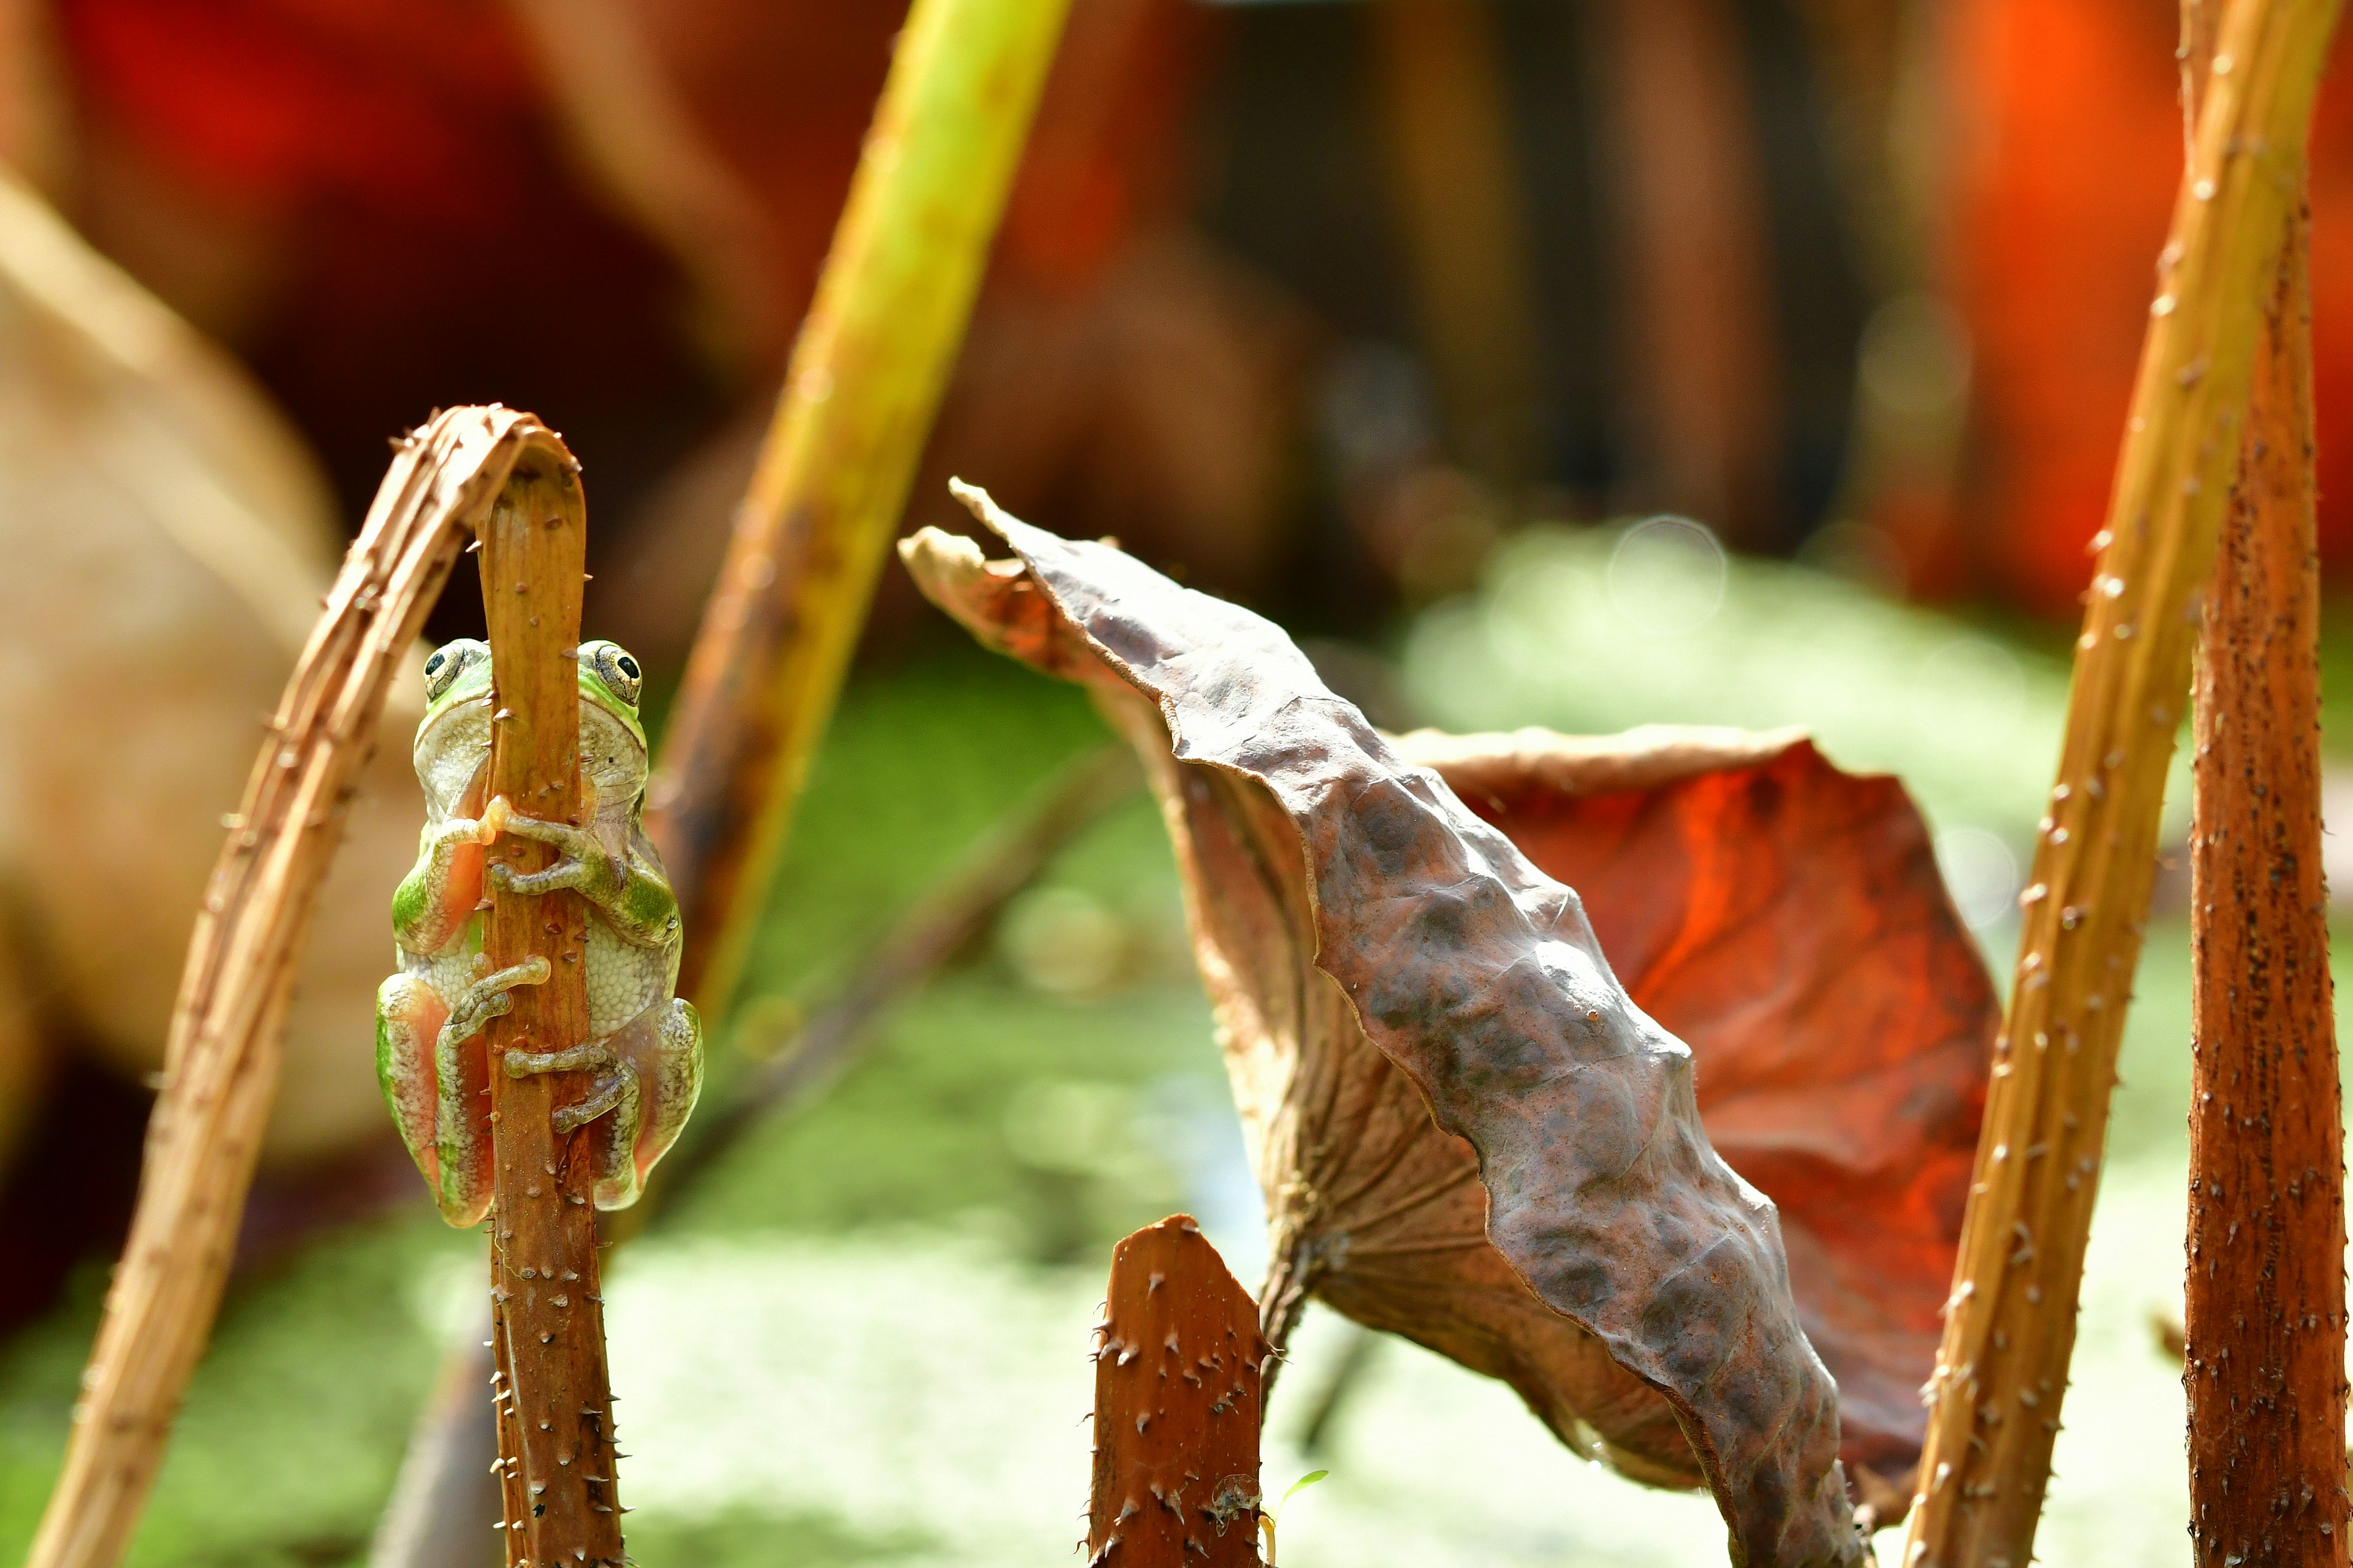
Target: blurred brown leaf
[(1349, 914), (168, 539)]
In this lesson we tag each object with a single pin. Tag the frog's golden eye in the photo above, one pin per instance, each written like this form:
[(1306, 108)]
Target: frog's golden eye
[(448, 662), (614, 665)]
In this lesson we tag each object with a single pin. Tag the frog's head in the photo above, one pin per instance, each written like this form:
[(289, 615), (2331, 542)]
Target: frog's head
[(453, 742), (612, 737)]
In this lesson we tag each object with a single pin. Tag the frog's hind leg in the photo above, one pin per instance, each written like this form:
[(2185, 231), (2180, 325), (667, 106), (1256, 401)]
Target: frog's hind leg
[(408, 1018), (461, 1078), (612, 1102), (668, 1041)]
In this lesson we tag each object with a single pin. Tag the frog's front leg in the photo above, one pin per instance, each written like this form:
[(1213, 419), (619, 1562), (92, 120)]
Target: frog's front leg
[(440, 892), (635, 901)]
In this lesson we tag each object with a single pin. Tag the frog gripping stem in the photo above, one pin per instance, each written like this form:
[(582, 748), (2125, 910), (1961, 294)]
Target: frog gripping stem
[(242, 958), (553, 1396)]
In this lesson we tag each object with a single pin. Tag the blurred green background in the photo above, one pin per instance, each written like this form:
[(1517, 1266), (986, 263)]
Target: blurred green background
[(863, 1338)]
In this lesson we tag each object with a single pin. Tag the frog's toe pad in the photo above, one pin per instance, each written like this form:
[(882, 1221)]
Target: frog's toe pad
[(558, 877), (523, 1064), (601, 1099)]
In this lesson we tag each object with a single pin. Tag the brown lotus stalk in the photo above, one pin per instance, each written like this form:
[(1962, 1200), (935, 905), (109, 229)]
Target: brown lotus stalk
[(1177, 1394), (2263, 1319), (221, 1065), (554, 1399), (2002, 1370)]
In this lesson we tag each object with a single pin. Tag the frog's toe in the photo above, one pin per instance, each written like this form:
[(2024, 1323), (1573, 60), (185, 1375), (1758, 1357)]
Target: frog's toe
[(487, 998), (561, 876), (523, 1064), (571, 840), (607, 1092), (532, 971)]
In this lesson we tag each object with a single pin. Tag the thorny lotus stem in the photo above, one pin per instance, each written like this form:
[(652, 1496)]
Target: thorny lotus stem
[(221, 1062), (554, 1402), (864, 382), (2264, 1297), (2002, 1372), (1291, 1275), (1178, 1396)]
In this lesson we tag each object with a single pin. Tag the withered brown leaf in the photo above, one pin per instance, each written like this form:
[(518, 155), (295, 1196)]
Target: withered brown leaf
[(1788, 921), (1635, 1290)]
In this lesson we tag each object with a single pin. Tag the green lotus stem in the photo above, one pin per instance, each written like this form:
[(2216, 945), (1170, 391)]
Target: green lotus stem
[(860, 395), (2010, 1328)]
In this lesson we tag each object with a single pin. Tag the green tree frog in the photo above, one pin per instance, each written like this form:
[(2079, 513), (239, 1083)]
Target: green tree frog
[(644, 1044)]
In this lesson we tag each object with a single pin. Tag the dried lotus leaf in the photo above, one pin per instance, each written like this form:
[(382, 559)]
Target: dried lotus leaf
[(1332, 885), (1788, 921)]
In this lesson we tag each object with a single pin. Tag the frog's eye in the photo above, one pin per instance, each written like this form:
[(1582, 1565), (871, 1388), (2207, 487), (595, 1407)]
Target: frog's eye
[(614, 667), (449, 661)]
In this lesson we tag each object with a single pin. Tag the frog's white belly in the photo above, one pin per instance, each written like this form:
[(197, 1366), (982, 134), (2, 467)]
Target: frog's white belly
[(624, 979), (449, 972)]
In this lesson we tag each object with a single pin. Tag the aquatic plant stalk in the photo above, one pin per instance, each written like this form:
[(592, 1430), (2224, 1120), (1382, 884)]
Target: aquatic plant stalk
[(864, 382), (2001, 1370), (554, 1399), (2263, 1319), (1179, 1370), (221, 1062)]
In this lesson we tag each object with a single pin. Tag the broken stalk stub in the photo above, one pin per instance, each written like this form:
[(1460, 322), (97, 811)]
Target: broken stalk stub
[(1178, 1375)]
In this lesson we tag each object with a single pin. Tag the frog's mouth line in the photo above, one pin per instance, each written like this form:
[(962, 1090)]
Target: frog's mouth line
[(470, 800)]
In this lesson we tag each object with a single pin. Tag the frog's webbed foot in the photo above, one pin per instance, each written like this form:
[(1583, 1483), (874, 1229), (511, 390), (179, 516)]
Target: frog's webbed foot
[(637, 901), (471, 1009), (617, 1086), (438, 896), (617, 1089), (582, 865)]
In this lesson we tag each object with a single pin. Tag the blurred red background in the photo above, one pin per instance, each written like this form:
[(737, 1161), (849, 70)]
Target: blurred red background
[(2066, 159), (353, 192)]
